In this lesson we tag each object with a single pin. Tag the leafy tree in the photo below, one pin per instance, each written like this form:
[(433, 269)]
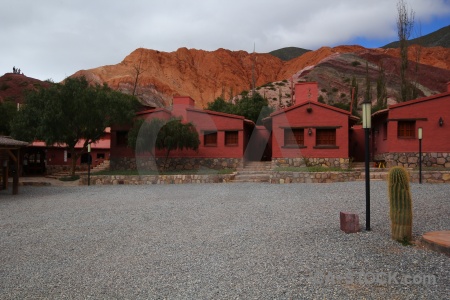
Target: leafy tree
[(254, 107), (177, 135), (146, 136), (220, 105), (8, 111), (143, 135), (251, 107), (66, 113)]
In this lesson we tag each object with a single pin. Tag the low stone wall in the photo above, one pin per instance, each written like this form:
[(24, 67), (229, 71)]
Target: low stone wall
[(430, 176), (126, 163), (52, 169), (155, 179), (411, 159), (313, 177), (276, 177), (310, 162)]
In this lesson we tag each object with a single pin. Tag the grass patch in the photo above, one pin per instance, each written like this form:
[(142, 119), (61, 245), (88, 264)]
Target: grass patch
[(154, 172), (310, 169), (69, 178)]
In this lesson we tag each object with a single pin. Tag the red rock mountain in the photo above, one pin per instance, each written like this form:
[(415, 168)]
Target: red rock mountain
[(206, 75)]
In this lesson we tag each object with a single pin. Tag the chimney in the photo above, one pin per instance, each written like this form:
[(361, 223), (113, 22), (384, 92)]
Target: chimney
[(306, 91), (180, 103)]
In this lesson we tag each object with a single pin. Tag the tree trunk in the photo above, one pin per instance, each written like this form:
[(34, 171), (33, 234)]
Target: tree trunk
[(74, 162)]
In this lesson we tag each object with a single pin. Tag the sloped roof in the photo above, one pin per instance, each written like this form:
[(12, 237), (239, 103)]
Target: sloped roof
[(9, 142), (412, 102), (354, 118)]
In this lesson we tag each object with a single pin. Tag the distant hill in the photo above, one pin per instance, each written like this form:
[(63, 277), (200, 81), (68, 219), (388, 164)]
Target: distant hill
[(288, 53), (13, 87), (440, 37)]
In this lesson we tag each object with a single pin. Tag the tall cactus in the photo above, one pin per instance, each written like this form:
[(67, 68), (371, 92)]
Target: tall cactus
[(400, 204)]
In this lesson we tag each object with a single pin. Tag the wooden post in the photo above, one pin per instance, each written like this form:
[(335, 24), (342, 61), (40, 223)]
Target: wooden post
[(15, 190), (5, 177)]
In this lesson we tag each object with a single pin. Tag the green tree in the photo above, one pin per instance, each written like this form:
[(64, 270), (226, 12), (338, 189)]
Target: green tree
[(148, 135), (177, 135), (220, 105), (251, 107), (254, 107), (67, 113), (8, 111), (142, 136)]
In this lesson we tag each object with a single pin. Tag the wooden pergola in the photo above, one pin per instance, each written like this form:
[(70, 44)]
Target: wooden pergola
[(10, 149)]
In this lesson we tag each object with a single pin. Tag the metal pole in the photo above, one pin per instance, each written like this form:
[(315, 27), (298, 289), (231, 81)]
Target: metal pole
[(420, 161), (367, 175), (89, 164)]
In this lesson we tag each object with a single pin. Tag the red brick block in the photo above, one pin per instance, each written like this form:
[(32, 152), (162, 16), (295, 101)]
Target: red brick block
[(349, 222)]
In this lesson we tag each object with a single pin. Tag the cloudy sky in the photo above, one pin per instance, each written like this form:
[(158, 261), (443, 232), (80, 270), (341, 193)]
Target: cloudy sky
[(52, 39)]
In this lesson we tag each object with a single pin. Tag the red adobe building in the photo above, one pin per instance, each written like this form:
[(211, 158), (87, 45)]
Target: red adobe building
[(223, 139), (38, 158), (395, 132), (310, 133)]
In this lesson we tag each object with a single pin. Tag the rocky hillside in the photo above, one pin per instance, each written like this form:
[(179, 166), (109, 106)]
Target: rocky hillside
[(13, 87), (206, 75)]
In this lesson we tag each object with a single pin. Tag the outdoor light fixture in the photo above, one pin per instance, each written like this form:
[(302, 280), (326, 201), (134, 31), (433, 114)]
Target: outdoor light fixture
[(366, 119), (309, 131), (419, 136), (441, 121)]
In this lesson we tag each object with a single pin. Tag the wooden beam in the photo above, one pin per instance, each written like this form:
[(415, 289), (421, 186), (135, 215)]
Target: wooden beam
[(11, 155)]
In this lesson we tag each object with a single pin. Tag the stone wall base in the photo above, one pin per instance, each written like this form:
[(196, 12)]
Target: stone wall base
[(411, 159), (342, 163), (155, 179), (174, 164)]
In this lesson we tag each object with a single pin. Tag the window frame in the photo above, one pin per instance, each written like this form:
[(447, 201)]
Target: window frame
[(294, 138), (406, 129), (326, 142), (231, 138), (207, 135)]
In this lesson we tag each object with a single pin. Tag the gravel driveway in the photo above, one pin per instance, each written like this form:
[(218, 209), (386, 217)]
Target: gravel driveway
[(216, 241)]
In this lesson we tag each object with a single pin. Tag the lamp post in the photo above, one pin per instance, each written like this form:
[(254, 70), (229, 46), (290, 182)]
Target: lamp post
[(366, 116), (89, 164), (419, 135)]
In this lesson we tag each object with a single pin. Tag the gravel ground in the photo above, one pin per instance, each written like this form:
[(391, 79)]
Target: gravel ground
[(216, 241)]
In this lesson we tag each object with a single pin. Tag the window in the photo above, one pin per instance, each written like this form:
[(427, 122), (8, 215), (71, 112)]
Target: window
[(294, 137), (121, 138), (210, 139), (101, 155), (231, 138), (326, 137), (406, 129)]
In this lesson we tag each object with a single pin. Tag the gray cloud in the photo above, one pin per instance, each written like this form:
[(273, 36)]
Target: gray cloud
[(54, 39)]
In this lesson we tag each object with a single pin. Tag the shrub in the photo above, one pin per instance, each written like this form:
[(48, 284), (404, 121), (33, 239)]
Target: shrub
[(355, 63)]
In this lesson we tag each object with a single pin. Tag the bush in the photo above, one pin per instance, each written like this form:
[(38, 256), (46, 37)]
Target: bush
[(4, 86), (355, 63)]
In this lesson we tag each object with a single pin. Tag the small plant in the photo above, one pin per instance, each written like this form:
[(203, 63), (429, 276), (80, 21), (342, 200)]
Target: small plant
[(343, 95), (23, 83), (334, 90), (285, 81), (355, 63), (400, 204), (323, 90)]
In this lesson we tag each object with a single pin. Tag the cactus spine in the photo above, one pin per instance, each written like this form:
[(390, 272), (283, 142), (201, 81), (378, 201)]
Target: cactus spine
[(400, 204)]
